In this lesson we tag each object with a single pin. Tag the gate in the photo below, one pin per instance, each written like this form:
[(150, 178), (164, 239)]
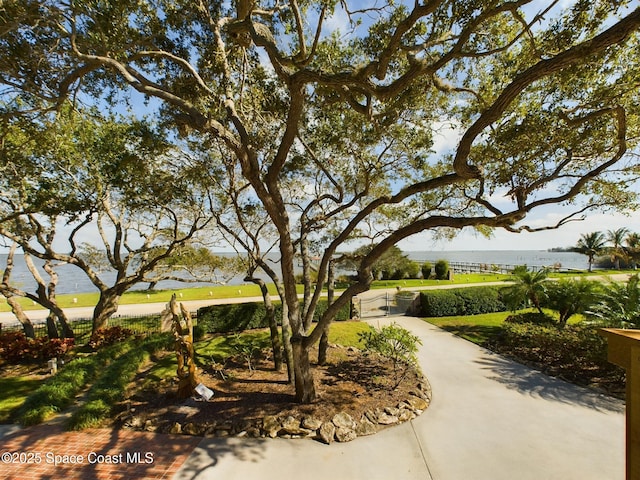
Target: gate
[(378, 306)]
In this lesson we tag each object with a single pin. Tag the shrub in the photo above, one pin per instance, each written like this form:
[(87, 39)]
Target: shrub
[(440, 303), (575, 353), (395, 344), (461, 301), (246, 316), (442, 269), (16, 347), (104, 337), (412, 269), (426, 270)]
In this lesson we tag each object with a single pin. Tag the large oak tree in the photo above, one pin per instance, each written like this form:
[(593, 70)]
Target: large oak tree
[(70, 176), (332, 128)]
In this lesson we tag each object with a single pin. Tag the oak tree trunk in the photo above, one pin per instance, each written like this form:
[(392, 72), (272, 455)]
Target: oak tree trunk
[(304, 383), (323, 345), (286, 344), (107, 305), (17, 310), (276, 343), (52, 330)]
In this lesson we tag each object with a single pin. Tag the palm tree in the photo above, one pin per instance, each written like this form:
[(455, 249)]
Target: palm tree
[(591, 244), (569, 297), (618, 305), (616, 238), (528, 287), (632, 246)]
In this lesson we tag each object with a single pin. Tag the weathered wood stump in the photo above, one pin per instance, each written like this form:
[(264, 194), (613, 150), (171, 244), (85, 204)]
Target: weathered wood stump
[(182, 327)]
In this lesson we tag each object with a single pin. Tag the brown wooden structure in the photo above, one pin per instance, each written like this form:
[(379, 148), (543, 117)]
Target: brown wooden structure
[(183, 333), (624, 350)]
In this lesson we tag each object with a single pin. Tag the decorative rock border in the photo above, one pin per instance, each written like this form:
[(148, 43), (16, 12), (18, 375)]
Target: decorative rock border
[(341, 428)]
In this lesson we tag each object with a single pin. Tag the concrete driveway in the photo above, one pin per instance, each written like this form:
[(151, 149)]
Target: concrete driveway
[(490, 419)]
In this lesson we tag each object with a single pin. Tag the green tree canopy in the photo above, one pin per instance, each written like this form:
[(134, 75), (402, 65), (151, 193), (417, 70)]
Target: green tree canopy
[(332, 129)]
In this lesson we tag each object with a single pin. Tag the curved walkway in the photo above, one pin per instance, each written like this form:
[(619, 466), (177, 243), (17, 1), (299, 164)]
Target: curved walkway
[(490, 419)]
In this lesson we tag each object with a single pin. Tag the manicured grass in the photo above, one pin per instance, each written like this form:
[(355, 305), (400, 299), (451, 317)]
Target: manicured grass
[(251, 290), (346, 333), (151, 296), (458, 279), (13, 391), (236, 291), (475, 328), (480, 328)]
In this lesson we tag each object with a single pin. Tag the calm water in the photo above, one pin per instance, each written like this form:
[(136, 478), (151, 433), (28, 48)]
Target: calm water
[(72, 280)]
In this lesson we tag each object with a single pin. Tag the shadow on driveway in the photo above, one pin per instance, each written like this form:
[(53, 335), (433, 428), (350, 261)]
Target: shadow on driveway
[(529, 381)]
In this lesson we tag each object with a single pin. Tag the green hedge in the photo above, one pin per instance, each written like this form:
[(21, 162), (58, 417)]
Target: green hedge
[(461, 301), (245, 316)]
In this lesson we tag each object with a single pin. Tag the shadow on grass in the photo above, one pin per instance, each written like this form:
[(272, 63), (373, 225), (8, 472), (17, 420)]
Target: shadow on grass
[(14, 390), (479, 334)]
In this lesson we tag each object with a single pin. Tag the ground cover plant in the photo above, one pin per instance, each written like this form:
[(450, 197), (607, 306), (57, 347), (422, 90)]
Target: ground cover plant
[(110, 386), (59, 391)]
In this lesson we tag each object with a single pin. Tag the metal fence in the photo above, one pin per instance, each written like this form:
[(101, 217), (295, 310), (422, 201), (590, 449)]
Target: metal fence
[(140, 324), (470, 267)]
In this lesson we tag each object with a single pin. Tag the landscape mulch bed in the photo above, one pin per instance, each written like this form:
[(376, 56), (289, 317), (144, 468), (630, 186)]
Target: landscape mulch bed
[(351, 382)]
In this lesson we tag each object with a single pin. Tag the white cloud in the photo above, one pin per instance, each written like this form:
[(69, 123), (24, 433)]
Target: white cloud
[(446, 135), (565, 236)]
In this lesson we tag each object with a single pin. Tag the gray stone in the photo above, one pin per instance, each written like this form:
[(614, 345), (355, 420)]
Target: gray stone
[(344, 434), (150, 426), (191, 429), (326, 432), (343, 420), (372, 416), (365, 427), (386, 419), (419, 394), (175, 428), (271, 426), (311, 423), (405, 415), (417, 403), (393, 411), (291, 426), (290, 423), (134, 421)]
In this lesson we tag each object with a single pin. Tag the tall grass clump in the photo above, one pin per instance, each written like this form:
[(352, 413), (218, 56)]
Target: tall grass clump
[(59, 391), (112, 384)]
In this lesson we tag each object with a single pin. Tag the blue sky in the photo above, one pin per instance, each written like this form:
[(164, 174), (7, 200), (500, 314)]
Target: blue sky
[(470, 240)]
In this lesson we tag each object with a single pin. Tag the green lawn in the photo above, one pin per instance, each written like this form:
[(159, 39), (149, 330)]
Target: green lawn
[(13, 391), (475, 328), (235, 291)]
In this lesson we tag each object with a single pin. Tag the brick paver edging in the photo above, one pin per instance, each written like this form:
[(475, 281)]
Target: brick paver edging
[(49, 452)]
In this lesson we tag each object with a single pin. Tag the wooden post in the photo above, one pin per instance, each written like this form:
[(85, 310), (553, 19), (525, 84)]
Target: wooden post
[(624, 351)]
